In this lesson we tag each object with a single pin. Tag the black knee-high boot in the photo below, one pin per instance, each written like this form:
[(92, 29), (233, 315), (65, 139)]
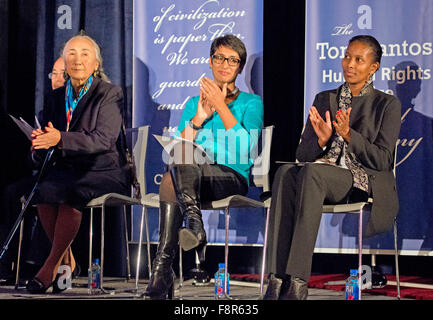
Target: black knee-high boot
[(160, 285), (186, 181)]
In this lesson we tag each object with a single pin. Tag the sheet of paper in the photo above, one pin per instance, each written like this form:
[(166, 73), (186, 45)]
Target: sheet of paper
[(169, 142), (24, 126)]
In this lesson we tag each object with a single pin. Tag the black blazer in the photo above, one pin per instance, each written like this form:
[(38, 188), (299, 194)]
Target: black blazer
[(374, 129), (90, 143)]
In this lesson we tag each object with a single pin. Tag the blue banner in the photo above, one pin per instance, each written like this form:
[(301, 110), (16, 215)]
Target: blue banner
[(172, 40), (404, 29)]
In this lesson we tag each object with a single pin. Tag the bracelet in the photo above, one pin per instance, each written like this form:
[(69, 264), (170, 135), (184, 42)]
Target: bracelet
[(192, 125)]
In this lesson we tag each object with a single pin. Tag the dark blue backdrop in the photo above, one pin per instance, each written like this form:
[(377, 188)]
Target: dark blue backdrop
[(172, 40)]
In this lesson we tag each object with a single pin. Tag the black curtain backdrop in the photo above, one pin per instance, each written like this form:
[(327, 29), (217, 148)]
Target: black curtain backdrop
[(284, 43), (31, 40)]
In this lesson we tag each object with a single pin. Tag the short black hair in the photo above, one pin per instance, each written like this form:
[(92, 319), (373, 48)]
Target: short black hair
[(372, 42), (234, 43)]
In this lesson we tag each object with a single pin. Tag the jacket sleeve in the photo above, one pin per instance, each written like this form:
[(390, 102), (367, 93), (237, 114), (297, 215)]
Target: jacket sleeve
[(379, 154), (103, 134)]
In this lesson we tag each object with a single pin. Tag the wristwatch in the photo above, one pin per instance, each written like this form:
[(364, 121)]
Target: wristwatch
[(192, 125)]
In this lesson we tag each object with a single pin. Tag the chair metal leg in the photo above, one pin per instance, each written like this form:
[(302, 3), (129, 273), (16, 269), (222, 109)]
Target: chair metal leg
[(226, 252), (180, 267), (360, 253), (149, 260), (265, 242), (20, 241), (90, 238), (128, 261), (144, 221), (180, 274), (397, 271), (102, 247), (140, 240)]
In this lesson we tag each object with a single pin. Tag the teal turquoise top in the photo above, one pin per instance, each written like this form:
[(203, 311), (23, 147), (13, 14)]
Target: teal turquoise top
[(235, 148)]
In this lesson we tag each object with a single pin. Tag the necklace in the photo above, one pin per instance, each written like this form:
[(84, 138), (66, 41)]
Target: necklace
[(232, 93)]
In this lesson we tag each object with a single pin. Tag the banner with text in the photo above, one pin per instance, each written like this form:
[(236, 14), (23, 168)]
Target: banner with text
[(172, 40), (404, 30)]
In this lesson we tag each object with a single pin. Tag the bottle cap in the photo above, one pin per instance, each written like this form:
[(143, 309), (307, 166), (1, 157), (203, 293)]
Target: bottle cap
[(353, 272), (221, 265)]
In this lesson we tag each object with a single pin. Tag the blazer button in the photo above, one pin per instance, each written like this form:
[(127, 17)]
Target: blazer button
[(372, 176)]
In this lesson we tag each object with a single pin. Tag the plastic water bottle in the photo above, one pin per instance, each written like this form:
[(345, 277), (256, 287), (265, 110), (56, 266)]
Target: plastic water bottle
[(94, 281), (352, 286), (219, 282)]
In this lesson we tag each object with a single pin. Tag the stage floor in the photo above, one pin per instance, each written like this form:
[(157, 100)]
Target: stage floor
[(239, 290)]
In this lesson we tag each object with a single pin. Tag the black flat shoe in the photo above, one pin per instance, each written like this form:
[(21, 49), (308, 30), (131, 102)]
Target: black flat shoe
[(64, 286), (378, 280), (274, 288), (74, 274), (297, 289), (35, 286)]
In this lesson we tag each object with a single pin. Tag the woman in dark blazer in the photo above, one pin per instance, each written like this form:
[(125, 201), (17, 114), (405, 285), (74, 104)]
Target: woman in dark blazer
[(352, 132), (83, 122)]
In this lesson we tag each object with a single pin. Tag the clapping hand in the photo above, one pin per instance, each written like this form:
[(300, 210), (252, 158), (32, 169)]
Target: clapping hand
[(213, 94), (342, 123), (204, 109), (44, 139), (322, 128)]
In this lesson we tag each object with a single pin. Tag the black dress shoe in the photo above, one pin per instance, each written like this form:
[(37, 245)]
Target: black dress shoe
[(297, 290), (274, 288), (36, 286), (63, 287), (74, 274), (378, 280)]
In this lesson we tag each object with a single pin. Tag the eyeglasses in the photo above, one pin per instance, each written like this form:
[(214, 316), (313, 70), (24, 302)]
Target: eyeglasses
[(219, 59), (52, 75)]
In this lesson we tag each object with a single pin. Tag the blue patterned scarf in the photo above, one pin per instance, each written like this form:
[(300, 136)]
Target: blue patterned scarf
[(72, 103)]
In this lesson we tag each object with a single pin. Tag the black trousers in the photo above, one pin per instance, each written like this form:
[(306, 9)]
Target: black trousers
[(219, 181), (298, 194)]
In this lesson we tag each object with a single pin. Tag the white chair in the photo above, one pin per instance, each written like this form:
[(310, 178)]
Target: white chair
[(359, 208), (138, 139)]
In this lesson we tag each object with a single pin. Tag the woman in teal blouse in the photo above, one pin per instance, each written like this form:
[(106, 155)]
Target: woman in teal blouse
[(226, 123)]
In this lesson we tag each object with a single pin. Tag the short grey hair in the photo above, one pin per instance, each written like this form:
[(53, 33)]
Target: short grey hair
[(100, 71)]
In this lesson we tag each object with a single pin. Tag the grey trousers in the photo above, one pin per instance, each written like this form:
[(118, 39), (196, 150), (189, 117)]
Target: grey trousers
[(298, 193)]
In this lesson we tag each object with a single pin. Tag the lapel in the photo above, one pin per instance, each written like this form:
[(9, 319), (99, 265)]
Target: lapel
[(82, 104), (359, 106), (357, 110), (333, 102)]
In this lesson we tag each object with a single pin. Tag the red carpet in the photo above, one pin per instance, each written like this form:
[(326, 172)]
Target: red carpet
[(319, 281)]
